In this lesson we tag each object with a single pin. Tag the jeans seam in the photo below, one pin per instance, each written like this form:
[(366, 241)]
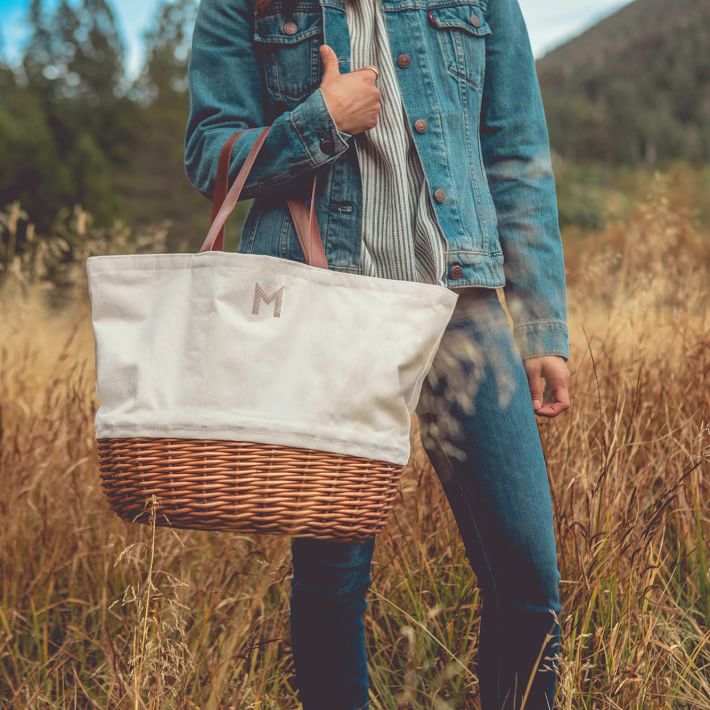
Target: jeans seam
[(472, 517)]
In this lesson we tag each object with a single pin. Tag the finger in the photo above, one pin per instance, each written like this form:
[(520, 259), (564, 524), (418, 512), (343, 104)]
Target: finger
[(552, 410), (374, 73), (331, 68), (535, 383), (366, 73), (558, 401)]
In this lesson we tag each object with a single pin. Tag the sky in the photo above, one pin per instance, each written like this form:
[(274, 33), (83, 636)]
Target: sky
[(550, 22)]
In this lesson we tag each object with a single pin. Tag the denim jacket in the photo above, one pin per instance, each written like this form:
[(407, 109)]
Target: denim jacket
[(465, 66)]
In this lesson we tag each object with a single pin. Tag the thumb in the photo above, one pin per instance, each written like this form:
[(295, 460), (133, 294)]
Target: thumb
[(330, 62)]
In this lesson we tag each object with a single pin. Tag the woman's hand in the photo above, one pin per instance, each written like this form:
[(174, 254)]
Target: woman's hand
[(353, 98), (555, 397)]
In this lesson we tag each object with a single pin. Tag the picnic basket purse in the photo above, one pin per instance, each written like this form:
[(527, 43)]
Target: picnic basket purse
[(251, 393)]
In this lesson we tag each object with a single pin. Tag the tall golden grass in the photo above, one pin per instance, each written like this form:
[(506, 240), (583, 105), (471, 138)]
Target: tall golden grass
[(98, 613)]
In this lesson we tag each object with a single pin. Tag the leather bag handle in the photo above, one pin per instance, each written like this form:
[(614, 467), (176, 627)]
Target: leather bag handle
[(224, 201)]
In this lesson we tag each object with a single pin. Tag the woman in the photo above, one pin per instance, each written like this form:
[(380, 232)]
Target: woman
[(424, 122)]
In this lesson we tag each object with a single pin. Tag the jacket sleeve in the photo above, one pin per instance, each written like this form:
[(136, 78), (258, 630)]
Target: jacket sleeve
[(516, 156), (226, 94)]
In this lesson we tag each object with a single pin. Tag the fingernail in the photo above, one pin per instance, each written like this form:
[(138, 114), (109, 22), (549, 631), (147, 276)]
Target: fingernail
[(536, 404)]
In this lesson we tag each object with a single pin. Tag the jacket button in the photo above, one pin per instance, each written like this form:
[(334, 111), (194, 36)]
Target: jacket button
[(475, 20), (456, 272), (420, 125), (327, 145), (290, 28), (439, 194), (404, 60)]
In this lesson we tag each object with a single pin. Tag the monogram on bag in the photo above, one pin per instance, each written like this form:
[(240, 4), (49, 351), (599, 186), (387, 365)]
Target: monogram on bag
[(260, 296)]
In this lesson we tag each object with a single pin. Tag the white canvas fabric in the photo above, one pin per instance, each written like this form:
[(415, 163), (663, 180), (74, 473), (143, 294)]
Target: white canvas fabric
[(245, 347)]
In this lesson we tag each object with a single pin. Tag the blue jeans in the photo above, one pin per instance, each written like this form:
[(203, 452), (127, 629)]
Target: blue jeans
[(480, 433)]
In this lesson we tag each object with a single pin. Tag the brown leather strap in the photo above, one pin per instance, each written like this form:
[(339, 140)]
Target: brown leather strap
[(224, 202), (232, 197), (308, 231), (221, 184)]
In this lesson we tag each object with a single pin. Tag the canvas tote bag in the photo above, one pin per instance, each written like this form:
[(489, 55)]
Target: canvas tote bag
[(252, 393)]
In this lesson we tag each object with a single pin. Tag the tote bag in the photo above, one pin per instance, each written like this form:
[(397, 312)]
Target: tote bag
[(252, 393)]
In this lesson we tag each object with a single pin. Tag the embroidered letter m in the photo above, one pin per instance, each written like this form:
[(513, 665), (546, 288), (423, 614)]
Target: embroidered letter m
[(276, 298)]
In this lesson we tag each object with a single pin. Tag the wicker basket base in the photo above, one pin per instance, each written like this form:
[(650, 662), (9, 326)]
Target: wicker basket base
[(244, 487)]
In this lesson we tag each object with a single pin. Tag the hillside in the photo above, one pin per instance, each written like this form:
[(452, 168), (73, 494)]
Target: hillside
[(635, 87)]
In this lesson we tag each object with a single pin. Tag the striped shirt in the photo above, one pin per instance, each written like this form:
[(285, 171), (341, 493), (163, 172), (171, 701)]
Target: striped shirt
[(400, 236)]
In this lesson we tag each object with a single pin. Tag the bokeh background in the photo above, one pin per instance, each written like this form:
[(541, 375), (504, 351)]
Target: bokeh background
[(95, 612)]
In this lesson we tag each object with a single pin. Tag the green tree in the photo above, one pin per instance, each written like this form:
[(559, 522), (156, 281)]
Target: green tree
[(154, 181), (167, 44), (65, 128)]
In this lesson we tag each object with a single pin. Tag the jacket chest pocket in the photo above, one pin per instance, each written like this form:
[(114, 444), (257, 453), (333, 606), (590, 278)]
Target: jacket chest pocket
[(461, 31), (287, 49)]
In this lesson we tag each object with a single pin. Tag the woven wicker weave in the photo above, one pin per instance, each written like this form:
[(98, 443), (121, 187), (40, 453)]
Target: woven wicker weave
[(245, 487)]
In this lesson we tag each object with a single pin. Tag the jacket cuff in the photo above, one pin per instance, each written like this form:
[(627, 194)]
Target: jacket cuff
[(317, 129), (547, 337)]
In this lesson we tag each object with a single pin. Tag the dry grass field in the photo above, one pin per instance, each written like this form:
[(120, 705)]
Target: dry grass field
[(95, 612)]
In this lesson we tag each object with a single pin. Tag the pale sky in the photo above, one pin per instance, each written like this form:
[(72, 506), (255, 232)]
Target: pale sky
[(550, 22)]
